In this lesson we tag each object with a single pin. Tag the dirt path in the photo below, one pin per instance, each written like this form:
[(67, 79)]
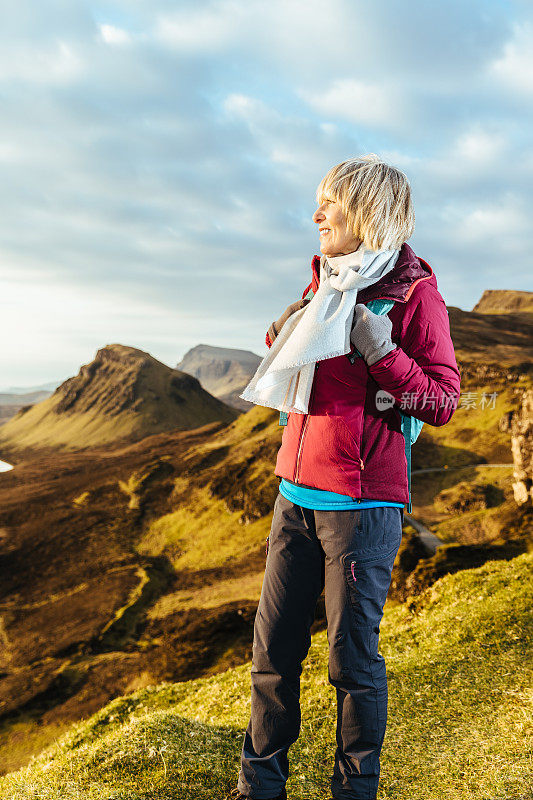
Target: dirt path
[(430, 540), (449, 469)]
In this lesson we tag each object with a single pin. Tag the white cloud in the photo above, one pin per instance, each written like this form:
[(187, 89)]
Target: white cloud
[(33, 63), (242, 105), (295, 149), (501, 223), (58, 324), (475, 160), (113, 35), (127, 171), (359, 102), (202, 29), (514, 68), (479, 147), (401, 159)]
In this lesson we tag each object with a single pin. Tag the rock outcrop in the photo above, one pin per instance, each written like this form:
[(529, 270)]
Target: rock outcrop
[(501, 338), (522, 449)]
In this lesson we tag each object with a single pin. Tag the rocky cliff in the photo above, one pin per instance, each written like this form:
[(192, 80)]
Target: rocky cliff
[(521, 425)]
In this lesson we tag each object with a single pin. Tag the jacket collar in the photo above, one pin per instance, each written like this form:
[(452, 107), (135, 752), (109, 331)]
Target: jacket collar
[(396, 285)]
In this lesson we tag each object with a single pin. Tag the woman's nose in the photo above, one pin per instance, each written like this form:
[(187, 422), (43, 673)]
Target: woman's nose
[(318, 216)]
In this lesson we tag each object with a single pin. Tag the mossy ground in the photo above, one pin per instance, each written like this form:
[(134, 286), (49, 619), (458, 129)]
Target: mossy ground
[(459, 666)]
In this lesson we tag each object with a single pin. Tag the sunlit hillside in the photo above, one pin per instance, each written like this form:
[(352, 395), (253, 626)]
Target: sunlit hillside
[(459, 666), (122, 395)]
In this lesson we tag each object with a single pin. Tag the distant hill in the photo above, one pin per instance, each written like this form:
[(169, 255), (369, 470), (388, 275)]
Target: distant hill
[(502, 338), (222, 371), (123, 394), (14, 399), (42, 387), (501, 301), (11, 403)]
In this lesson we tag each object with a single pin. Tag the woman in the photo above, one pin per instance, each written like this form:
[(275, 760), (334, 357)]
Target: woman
[(342, 373)]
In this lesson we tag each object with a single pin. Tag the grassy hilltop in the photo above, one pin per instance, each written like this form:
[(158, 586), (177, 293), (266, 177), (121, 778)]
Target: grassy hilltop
[(459, 665)]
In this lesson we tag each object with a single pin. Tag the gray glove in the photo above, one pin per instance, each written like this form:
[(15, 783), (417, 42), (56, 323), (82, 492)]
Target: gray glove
[(278, 324), (371, 334)]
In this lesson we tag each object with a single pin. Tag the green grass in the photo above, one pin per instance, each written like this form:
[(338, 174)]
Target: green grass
[(476, 429), (203, 534), (459, 723)]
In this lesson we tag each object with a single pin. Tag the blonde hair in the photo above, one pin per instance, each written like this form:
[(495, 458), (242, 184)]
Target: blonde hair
[(375, 198)]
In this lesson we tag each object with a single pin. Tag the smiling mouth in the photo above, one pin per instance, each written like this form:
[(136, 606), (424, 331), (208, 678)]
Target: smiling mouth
[(324, 231)]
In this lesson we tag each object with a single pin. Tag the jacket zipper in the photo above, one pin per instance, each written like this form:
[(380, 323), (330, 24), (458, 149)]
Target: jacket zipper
[(302, 434), (300, 448)]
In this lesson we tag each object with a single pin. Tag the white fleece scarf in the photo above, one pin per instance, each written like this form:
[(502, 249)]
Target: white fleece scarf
[(319, 330)]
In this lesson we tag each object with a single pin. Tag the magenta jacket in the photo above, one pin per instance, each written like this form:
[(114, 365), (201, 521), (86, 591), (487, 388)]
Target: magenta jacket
[(346, 444)]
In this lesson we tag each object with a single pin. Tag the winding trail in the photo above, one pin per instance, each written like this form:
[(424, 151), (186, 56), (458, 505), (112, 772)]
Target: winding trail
[(462, 466), (428, 538)]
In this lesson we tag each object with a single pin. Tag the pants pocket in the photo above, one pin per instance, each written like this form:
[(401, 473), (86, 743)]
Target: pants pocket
[(368, 579)]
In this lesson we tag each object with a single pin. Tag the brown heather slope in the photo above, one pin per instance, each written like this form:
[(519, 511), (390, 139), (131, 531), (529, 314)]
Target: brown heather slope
[(98, 550), (501, 338), (125, 566), (124, 394)]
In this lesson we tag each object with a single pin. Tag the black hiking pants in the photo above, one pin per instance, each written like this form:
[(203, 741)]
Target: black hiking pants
[(350, 553)]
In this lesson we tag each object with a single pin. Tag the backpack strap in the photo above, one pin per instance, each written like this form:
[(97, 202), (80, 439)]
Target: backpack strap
[(411, 428), (406, 430), (381, 306)]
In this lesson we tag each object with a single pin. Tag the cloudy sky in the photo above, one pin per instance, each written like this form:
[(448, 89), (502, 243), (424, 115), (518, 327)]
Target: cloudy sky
[(159, 160)]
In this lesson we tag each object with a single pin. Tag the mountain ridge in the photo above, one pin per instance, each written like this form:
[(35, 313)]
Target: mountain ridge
[(123, 394), (222, 371)]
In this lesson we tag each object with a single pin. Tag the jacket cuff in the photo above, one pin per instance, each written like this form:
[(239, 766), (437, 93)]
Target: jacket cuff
[(272, 333)]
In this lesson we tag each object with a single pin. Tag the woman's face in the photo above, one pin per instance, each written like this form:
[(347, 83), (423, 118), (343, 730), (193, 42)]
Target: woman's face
[(335, 238)]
